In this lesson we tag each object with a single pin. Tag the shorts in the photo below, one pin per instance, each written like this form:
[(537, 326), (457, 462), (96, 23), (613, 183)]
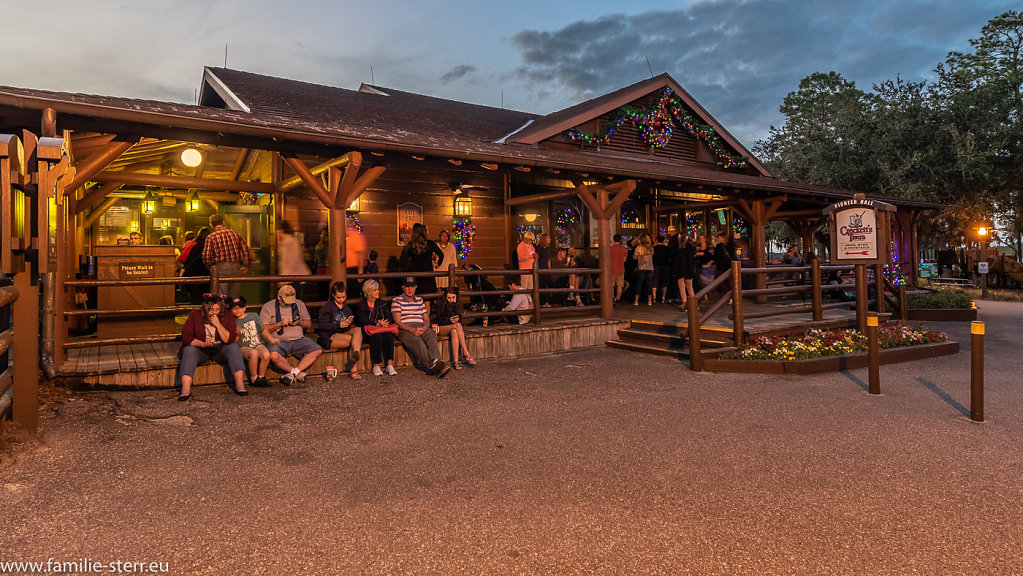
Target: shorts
[(526, 279), (297, 348), (246, 351), (619, 281)]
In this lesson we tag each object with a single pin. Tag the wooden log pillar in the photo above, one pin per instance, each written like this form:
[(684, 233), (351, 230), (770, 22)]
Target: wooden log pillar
[(535, 272), (693, 343), (738, 329), (602, 207), (338, 229), (879, 287), (26, 351), (759, 238), (815, 282), (606, 291)]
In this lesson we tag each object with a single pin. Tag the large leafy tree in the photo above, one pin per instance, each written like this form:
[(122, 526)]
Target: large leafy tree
[(958, 141)]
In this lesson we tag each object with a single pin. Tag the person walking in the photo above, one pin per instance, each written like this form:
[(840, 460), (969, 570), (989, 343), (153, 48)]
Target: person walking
[(618, 254), (227, 253)]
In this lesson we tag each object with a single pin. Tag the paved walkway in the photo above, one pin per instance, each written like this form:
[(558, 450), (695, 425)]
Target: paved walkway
[(591, 462)]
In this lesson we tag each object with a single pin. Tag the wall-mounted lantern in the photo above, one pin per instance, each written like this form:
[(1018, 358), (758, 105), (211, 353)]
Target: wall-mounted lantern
[(192, 202), (463, 206), (149, 203)]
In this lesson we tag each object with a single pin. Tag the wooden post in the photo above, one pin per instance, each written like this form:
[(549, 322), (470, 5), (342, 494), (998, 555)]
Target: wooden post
[(759, 238), (606, 292), (815, 287), (26, 351), (695, 356), (738, 330), (976, 371), (861, 298), (536, 291), (214, 281), (451, 274), (879, 287), (874, 377), (903, 312)]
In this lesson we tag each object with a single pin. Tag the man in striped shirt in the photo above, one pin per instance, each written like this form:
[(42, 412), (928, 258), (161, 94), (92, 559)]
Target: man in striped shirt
[(226, 251), (414, 330)]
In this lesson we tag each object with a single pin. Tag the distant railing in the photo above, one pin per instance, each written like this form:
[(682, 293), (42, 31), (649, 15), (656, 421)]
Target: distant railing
[(215, 281)]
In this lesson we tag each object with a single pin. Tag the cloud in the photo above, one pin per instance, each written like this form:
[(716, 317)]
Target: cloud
[(740, 58), (457, 73)]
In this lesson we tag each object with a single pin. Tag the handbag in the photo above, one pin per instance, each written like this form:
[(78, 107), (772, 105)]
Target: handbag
[(372, 329)]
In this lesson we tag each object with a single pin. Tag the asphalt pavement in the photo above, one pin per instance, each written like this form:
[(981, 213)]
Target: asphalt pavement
[(591, 462)]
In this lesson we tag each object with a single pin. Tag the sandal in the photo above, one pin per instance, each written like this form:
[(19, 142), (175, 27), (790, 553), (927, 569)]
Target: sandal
[(456, 365), (355, 375), (469, 361)]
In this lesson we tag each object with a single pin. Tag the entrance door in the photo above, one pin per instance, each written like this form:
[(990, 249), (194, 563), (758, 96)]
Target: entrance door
[(253, 223)]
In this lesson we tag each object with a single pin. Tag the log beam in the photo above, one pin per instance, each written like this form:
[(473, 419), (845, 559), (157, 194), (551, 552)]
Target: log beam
[(94, 195), (183, 182), (89, 168)]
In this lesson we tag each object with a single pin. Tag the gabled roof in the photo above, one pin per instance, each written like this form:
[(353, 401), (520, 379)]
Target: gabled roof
[(371, 111), (563, 120)]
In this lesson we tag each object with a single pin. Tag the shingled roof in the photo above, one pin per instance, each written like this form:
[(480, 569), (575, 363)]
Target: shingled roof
[(279, 111)]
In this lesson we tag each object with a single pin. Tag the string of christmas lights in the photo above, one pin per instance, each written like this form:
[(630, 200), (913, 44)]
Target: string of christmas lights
[(564, 224), (464, 233), (656, 123), (354, 224), (694, 225)]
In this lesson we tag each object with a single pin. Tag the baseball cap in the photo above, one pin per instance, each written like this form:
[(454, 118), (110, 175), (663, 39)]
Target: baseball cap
[(287, 294), (409, 281)]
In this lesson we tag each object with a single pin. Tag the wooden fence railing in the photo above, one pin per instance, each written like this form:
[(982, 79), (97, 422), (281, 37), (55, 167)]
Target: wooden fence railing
[(787, 287), (19, 351), (215, 282)]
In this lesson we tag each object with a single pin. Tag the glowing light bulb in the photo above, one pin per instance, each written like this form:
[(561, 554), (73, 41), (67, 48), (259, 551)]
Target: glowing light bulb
[(191, 157)]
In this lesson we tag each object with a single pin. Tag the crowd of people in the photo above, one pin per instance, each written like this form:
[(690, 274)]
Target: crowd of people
[(221, 329)]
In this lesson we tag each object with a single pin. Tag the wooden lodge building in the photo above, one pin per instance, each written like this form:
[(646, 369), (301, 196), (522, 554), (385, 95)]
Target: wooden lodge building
[(92, 169)]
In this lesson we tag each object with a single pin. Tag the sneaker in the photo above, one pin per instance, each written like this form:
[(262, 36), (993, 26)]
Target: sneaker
[(287, 379), (377, 371), (301, 377), (440, 369), (391, 371)]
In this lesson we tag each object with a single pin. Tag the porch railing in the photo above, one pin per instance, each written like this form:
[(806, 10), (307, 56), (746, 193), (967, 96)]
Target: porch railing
[(788, 287), (19, 350), (537, 312)]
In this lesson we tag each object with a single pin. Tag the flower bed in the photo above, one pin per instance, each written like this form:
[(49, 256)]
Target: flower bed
[(819, 343), (948, 305), (827, 351)]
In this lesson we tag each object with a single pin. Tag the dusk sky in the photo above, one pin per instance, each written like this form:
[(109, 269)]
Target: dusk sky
[(738, 58)]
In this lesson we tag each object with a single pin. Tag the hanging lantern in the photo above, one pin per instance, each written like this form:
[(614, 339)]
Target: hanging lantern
[(192, 201), (149, 203), (463, 206)]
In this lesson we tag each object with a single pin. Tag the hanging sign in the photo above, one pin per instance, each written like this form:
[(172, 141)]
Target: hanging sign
[(857, 233), (408, 214)]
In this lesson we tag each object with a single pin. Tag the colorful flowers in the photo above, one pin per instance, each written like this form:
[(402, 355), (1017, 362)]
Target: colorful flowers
[(818, 343)]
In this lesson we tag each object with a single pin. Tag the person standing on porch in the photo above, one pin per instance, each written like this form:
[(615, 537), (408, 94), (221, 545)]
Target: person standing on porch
[(618, 254), (450, 257), (355, 259), (644, 255), (543, 262), (526, 255), (290, 254), (227, 253), (662, 270), (418, 256)]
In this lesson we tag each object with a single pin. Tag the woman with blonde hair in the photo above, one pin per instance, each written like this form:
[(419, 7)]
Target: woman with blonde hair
[(644, 255)]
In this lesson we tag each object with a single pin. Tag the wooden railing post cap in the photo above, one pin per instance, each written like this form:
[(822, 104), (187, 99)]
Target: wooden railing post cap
[(977, 327)]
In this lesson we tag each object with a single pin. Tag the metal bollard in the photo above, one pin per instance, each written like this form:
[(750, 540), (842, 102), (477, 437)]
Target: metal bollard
[(874, 386), (977, 371)]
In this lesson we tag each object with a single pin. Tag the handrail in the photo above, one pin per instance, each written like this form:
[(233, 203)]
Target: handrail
[(214, 278)]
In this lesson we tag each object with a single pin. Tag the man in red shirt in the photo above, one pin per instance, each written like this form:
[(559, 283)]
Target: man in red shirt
[(226, 251), (526, 254), (618, 254)]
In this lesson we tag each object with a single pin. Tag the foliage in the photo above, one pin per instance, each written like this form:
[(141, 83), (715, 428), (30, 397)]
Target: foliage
[(944, 299), (957, 141), (820, 343)]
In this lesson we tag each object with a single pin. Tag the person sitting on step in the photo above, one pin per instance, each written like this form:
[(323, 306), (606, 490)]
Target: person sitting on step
[(285, 320), (337, 328)]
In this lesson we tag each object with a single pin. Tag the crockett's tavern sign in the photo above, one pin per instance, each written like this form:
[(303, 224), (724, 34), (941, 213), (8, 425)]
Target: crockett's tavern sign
[(858, 231)]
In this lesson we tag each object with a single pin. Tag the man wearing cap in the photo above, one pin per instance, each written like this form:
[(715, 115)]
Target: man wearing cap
[(414, 330), (227, 252), (285, 320)]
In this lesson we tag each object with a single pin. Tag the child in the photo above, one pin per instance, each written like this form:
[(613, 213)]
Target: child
[(252, 347), (372, 267)]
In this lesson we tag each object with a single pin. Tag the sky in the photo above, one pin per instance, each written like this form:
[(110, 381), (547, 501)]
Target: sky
[(738, 58)]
